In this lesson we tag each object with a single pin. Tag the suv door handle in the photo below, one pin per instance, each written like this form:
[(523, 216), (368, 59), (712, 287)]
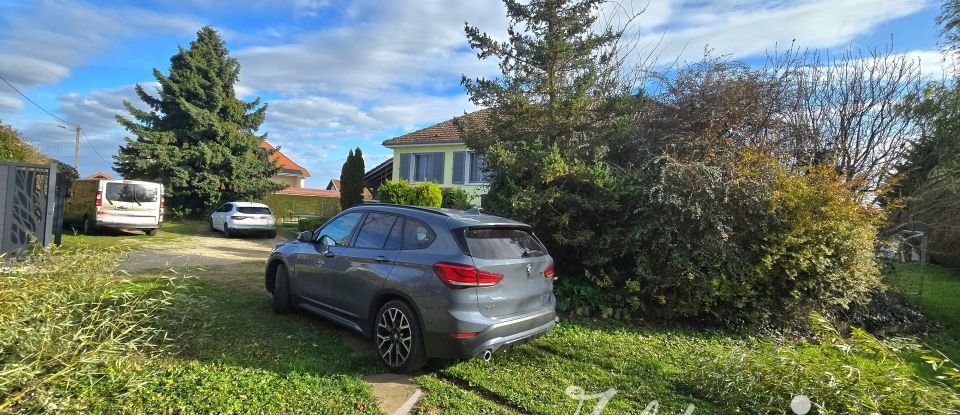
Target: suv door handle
[(382, 258)]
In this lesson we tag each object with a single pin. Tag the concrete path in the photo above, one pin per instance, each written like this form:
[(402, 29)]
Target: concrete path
[(205, 249)]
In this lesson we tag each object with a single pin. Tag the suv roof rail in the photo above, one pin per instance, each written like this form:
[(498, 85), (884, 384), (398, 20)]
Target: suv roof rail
[(420, 208)]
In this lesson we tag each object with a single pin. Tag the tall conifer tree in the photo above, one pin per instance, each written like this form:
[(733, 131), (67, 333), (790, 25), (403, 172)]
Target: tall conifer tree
[(196, 136)]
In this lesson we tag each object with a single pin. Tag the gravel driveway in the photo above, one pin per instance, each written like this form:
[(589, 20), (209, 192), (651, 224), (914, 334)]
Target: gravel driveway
[(207, 249)]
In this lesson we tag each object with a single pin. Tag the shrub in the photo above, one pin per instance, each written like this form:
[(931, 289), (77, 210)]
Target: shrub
[(456, 198), (427, 194), (401, 193), (744, 242), (65, 318), (395, 191), (311, 224)]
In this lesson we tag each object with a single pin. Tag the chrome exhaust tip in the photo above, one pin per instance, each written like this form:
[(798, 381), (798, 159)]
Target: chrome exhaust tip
[(487, 355)]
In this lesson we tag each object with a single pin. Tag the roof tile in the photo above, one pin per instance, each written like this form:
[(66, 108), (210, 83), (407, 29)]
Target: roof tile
[(443, 133)]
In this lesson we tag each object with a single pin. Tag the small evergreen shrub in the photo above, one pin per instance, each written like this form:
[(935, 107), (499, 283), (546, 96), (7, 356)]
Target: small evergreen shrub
[(427, 194), (397, 192), (456, 198)]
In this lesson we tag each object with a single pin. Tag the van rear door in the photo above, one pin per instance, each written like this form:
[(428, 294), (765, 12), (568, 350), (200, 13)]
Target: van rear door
[(130, 203)]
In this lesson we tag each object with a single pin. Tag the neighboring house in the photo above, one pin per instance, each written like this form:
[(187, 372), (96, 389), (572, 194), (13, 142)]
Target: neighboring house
[(378, 175), (98, 176), (334, 184), (291, 173), (439, 154)]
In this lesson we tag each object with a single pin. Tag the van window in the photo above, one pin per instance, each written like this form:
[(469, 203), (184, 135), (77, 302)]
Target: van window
[(254, 210), (503, 243), (132, 193)]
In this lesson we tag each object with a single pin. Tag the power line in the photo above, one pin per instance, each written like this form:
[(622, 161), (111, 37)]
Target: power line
[(92, 147), (34, 102), (56, 117)]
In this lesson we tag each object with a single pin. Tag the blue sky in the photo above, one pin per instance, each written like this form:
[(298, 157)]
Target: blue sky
[(345, 74)]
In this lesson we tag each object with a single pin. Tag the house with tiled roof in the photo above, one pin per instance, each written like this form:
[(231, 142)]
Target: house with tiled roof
[(99, 176), (291, 173), (439, 154)]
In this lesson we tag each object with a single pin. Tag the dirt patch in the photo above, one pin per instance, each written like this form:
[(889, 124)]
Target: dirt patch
[(206, 249)]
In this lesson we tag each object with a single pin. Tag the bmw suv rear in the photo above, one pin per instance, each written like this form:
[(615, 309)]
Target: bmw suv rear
[(420, 282)]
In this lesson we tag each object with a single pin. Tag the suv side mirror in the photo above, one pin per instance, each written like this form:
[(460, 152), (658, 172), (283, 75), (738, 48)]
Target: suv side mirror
[(327, 241), (305, 236)]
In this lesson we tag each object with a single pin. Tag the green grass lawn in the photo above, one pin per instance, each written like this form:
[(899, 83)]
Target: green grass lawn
[(237, 356), (715, 372), (171, 231), (227, 352), (939, 301)]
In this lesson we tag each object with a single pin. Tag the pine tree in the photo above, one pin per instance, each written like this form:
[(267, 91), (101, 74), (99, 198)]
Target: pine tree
[(351, 180), (197, 137)]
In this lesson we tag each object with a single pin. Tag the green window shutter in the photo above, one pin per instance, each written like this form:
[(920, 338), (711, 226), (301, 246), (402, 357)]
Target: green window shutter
[(459, 159), (405, 166), (438, 167)]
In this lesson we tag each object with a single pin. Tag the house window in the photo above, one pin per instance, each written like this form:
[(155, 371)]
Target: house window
[(475, 168), (422, 167)]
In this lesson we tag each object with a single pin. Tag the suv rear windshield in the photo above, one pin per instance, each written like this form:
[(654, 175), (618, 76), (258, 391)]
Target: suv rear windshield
[(253, 210), (502, 243), (132, 192)]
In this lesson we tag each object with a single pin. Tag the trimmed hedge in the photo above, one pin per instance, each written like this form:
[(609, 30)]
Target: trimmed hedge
[(288, 205), (310, 224)]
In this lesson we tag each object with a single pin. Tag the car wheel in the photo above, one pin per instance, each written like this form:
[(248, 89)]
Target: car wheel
[(281, 290), (226, 231), (272, 234), (398, 338), (150, 232)]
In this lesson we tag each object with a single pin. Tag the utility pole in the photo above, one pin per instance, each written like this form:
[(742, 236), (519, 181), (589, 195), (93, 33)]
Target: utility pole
[(76, 152)]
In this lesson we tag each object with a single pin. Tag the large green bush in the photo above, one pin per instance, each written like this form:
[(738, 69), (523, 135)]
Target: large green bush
[(738, 241)]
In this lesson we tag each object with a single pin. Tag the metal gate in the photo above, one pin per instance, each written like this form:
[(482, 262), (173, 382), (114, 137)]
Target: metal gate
[(31, 205)]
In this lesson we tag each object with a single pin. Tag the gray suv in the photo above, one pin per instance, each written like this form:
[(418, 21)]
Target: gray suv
[(420, 282)]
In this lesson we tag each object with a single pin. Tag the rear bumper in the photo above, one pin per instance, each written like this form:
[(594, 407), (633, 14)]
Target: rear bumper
[(240, 228), (127, 222), (500, 335)]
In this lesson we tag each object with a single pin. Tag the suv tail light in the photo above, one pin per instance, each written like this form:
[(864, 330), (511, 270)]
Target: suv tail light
[(463, 276), (549, 273)]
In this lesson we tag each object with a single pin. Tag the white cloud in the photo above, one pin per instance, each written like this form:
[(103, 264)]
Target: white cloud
[(10, 103), (96, 111), (747, 28), (40, 43)]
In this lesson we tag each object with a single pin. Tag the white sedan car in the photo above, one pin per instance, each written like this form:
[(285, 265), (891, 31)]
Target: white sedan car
[(237, 218)]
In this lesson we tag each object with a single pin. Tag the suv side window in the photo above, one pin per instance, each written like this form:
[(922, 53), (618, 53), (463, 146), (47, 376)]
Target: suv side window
[(340, 228), (417, 235), (375, 230), (395, 240)]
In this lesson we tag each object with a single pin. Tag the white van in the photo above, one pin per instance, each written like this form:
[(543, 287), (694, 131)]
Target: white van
[(116, 204)]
